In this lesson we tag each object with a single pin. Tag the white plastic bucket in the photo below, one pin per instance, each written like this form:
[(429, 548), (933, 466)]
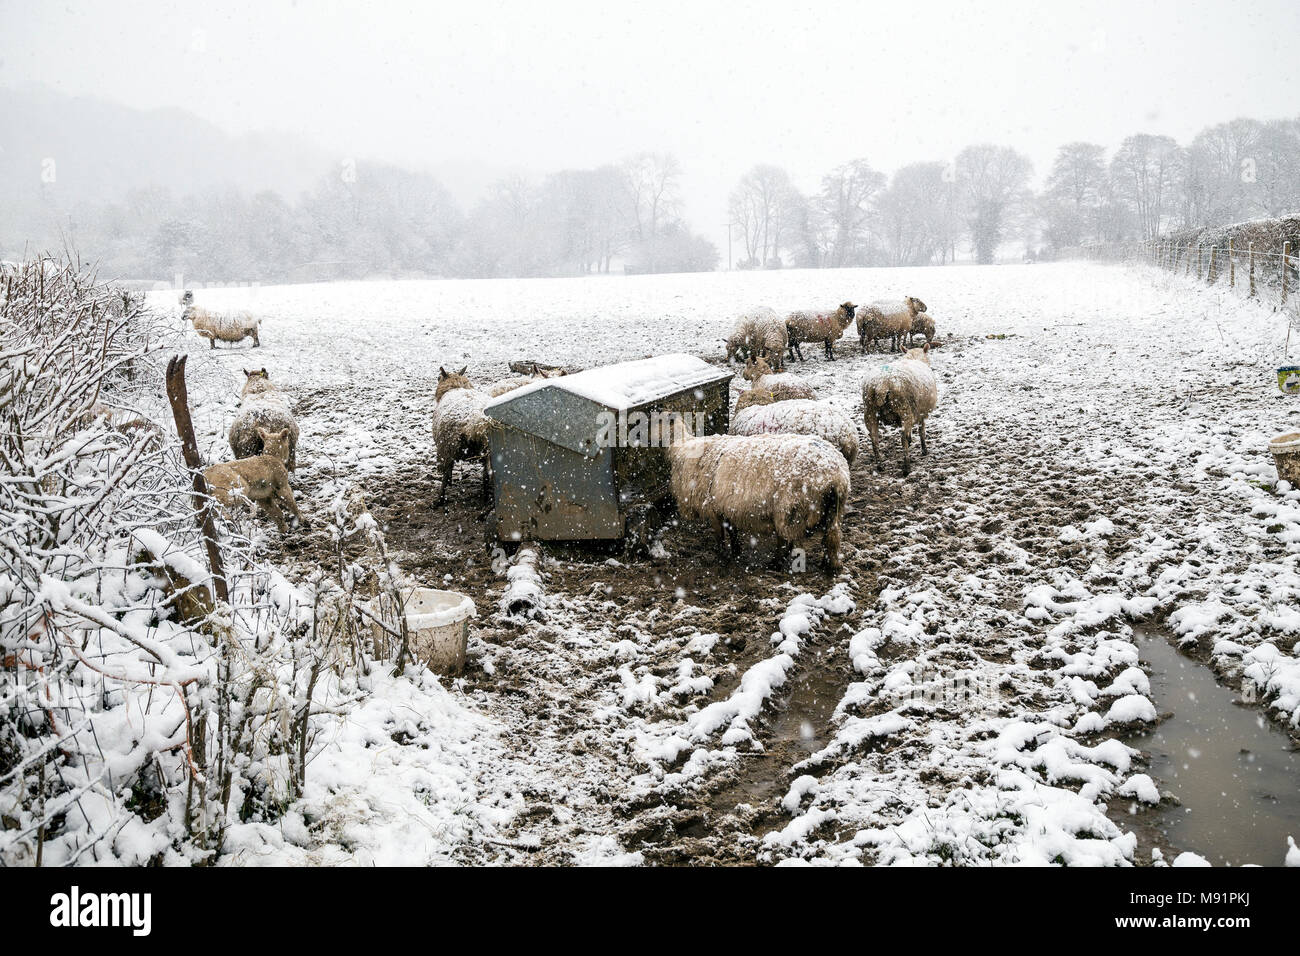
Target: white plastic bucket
[(437, 623), (1286, 455)]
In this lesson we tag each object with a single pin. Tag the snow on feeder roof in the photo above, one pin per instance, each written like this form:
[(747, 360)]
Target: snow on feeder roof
[(627, 384)]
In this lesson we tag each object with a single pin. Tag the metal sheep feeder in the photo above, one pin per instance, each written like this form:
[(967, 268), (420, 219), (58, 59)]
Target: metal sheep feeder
[(581, 457)]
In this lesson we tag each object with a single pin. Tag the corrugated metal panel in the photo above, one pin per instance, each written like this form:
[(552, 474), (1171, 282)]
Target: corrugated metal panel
[(546, 492)]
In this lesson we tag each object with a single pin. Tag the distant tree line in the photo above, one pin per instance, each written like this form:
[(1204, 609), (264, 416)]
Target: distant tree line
[(1150, 186), (368, 219), (374, 219)]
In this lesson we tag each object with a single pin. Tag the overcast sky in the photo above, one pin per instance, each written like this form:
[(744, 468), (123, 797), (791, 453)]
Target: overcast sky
[(722, 85)]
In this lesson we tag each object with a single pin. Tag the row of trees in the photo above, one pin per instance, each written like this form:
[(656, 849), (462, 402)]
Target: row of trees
[(369, 219), (861, 217), (375, 219), (1150, 185)]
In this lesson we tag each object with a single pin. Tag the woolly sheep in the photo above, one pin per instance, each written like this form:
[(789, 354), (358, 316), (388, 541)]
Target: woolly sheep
[(823, 327), (887, 319), (262, 406), (759, 332), (214, 326), (792, 485), (505, 385), (799, 416), (903, 392), (460, 429), (261, 481), (769, 386), (924, 324)]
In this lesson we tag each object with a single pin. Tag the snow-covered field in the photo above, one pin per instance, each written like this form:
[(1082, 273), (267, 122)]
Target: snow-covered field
[(959, 694)]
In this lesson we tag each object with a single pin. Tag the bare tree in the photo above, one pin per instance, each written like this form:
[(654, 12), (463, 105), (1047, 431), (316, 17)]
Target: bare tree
[(844, 207), (991, 181), (912, 215), (1145, 172), (653, 183), (768, 209), (1075, 189)]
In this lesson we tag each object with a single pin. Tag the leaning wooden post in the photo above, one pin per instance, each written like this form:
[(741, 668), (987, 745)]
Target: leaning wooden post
[(1252, 272), (1232, 267), (1200, 253), (1209, 272), (178, 396)]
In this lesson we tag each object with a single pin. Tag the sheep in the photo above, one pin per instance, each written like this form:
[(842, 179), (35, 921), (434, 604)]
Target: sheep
[(261, 481), (823, 327), (888, 319), (902, 393), (262, 405), (460, 429), (497, 389), (793, 485), (759, 332), (924, 324), (798, 416), (769, 386), (231, 328)]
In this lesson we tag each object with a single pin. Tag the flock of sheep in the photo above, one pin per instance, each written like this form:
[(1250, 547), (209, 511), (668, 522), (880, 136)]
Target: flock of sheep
[(783, 469)]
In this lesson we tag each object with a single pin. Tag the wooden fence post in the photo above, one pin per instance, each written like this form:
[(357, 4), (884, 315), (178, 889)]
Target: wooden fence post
[(1232, 267), (1200, 253), (1209, 272), (178, 396), (1252, 271), (1286, 252), (1189, 260)]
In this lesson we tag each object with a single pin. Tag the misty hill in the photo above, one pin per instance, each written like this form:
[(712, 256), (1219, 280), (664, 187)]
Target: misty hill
[(102, 150)]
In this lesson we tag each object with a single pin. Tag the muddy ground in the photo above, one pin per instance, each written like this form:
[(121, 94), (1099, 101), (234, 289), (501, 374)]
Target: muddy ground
[(1039, 433)]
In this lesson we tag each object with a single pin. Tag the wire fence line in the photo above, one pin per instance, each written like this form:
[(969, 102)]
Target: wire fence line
[(1270, 277)]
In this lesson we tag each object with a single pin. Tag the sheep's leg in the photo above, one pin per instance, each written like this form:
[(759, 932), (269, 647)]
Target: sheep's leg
[(924, 450), (907, 445), (720, 532), (862, 342), (444, 473), (831, 543), (286, 495), (271, 508), (830, 349), (873, 430)]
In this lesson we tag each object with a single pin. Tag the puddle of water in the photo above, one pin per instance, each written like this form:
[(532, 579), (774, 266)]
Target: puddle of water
[(1237, 775)]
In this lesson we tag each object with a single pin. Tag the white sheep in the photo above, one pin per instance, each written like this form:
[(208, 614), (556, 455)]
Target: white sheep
[(769, 386), (887, 319), (923, 323), (903, 392), (262, 406), (460, 429), (790, 485), (214, 326), (799, 416), (759, 332), (823, 327)]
